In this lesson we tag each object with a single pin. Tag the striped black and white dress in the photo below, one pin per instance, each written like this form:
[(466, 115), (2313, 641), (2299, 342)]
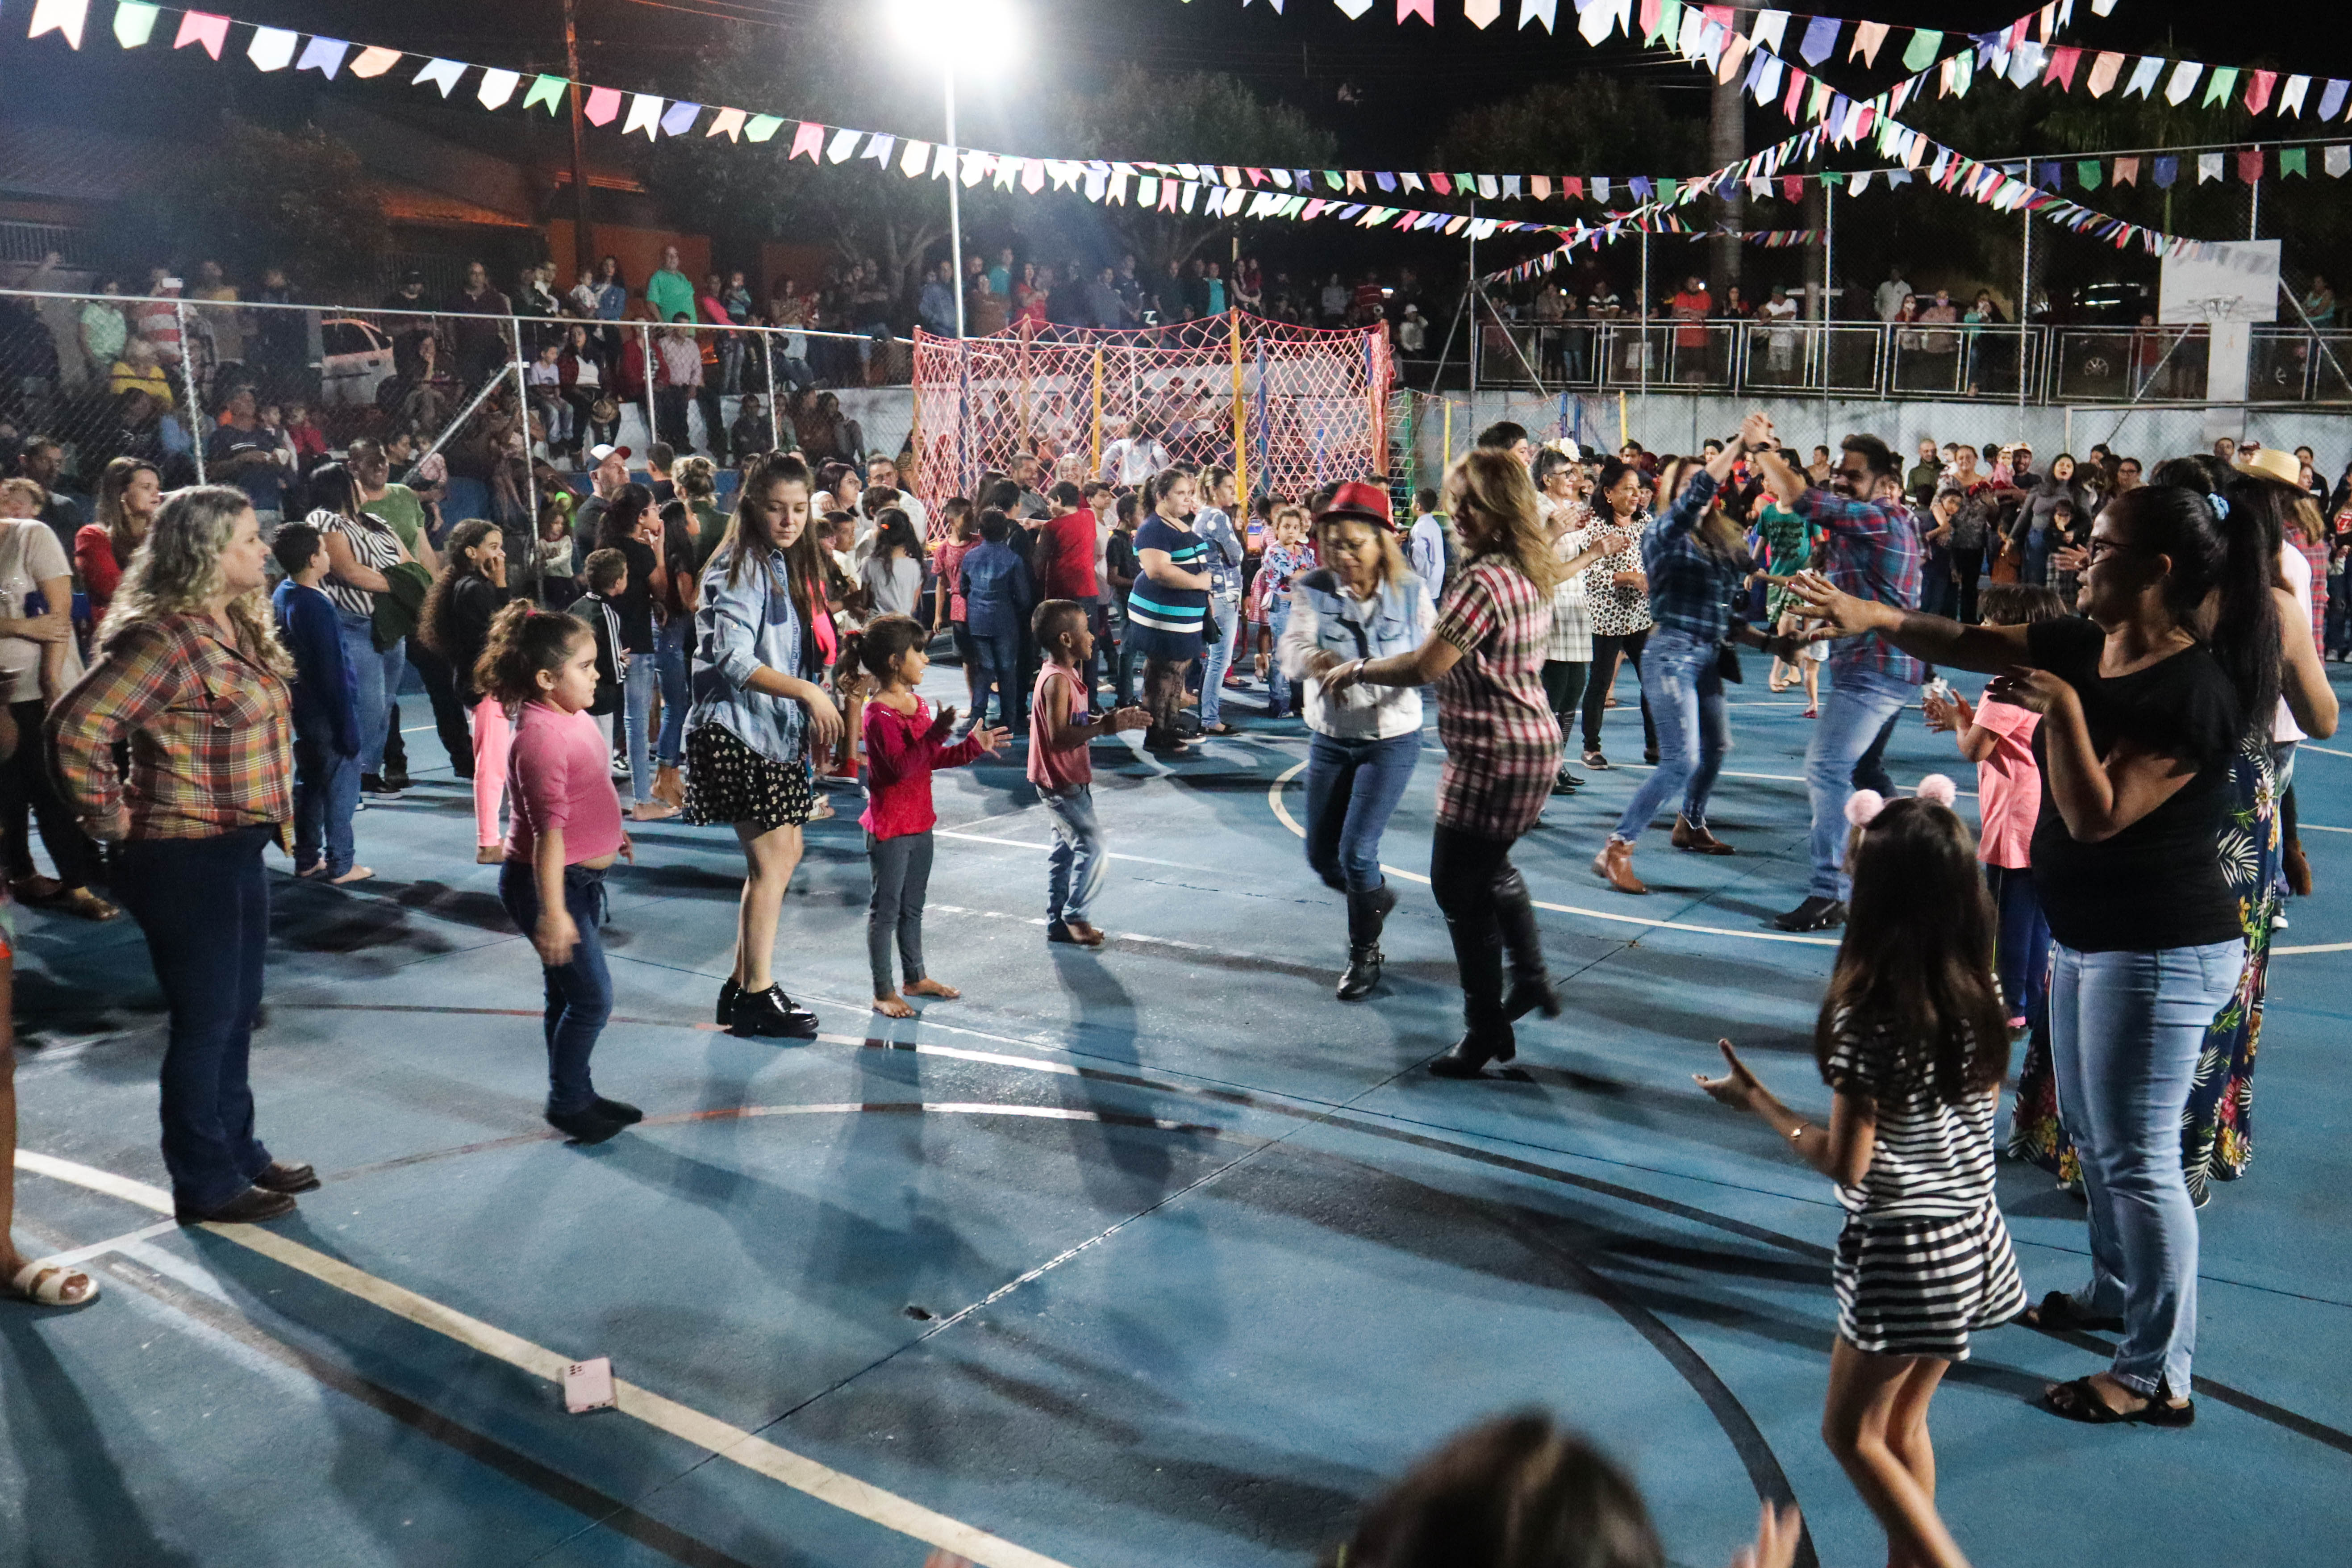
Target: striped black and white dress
[(1925, 1257)]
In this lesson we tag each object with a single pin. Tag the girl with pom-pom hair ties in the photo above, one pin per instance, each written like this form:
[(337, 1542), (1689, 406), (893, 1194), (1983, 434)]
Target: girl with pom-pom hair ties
[(1913, 1043)]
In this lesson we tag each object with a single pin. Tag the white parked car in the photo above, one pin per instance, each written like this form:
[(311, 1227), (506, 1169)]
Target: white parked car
[(356, 359)]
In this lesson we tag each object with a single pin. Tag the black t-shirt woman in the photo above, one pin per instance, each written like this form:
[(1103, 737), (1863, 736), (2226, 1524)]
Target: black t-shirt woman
[(2143, 704)]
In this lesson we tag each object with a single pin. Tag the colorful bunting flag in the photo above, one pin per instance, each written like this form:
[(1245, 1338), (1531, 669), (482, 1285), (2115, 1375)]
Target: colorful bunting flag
[(496, 86), (134, 23), (1926, 44), (63, 17), (324, 56), (2292, 162), (547, 91), (374, 61), (1820, 41), (602, 107), (201, 27), (442, 74)]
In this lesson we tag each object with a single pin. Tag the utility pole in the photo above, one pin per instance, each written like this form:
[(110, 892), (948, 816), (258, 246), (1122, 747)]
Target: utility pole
[(583, 241), (1728, 143)]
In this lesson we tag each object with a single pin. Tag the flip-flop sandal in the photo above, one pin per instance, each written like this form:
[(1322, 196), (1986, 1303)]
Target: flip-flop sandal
[(2057, 1313), (2079, 1401), (44, 1285)]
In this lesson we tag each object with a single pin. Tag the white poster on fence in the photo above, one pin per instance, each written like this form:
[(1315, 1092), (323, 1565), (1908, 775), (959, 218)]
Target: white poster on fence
[(2236, 281)]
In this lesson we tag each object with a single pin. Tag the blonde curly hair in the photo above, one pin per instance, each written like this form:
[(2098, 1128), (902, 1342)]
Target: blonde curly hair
[(1493, 503), (177, 569)]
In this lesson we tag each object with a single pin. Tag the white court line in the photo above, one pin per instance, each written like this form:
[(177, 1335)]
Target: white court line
[(122, 1243), (1021, 844), (1274, 799), (715, 1436), (2322, 751), (2319, 828)]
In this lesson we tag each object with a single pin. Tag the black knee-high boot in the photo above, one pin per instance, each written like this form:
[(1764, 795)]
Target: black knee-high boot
[(1367, 911), (1486, 1033), (1515, 914)]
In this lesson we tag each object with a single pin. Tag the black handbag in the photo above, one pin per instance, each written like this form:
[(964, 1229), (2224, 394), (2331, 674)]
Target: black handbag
[(1726, 664)]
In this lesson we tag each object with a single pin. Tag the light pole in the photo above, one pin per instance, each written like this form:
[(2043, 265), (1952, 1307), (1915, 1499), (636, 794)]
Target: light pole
[(954, 31)]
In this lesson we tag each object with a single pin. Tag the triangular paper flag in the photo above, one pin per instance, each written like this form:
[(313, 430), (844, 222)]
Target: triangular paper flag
[(548, 91), (496, 86), (2144, 76), (916, 159), (272, 48), (442, 74), (1481, 13), (374, 61), (2291, 98), (2333, 99), (2292, 162), (760, 127), (2165, 172), (603, 105), (63, 17), (2060, 68), (1868, 37), (2258, 89), (324, 56), (942, 156), (1032, 175), (843, 145), (1544, 11), (1925, 46), (201, 27), (810, 140), (1796, 92), (2126, 171), (679, 118), (1353, 9), (881, 147), (1735, 48), (2209, 167), (2086, 173), (2218, 87), (134, 23), (1596, 22), (2250, 165), (1820, 40), (2184, 81), (2335, 159), (726, 122), (1771, 30), (1425, 10), (2104, 71)]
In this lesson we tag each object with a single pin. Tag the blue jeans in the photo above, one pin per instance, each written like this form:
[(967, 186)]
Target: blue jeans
[(999, 659), (2022, 953), (205, 909), (379, 676), (637, 717), (1857, 704), (2125, 1030), (669, 670), (1219, 657), (1352, 786), (1074, 870), (1130, 654), (1277, 684), (580, 993), (326, 793), (1683, 685)]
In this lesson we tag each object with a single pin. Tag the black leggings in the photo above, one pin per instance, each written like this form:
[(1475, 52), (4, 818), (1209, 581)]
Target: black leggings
[(1563, 682), (1969, 565), (28, 789), (1487, 911), (1604, 678)]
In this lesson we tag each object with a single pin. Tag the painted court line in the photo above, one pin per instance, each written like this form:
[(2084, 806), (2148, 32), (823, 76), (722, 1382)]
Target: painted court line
[(715, 1436), (122, 1243), (1274, 799)]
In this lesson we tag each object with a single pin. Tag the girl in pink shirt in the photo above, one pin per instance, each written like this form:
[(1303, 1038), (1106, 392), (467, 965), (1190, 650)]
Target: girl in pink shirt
[(1999, 738), (563, 832), (905, 742)]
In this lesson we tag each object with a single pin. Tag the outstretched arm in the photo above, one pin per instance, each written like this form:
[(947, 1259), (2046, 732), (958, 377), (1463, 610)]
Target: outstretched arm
[(1987, 649)]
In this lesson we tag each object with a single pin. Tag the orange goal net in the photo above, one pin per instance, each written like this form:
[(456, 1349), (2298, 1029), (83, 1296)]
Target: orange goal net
[(1287, 408)]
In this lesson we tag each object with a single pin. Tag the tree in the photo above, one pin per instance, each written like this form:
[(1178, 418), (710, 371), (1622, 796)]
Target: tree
[(302, 201), (1587, 124)]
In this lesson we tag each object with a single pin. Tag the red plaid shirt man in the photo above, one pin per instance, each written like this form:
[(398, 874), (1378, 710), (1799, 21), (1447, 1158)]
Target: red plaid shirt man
[(210, 730)]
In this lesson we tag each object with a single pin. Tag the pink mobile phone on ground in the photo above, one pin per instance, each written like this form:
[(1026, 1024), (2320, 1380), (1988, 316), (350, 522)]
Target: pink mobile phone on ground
[(588, 1385)]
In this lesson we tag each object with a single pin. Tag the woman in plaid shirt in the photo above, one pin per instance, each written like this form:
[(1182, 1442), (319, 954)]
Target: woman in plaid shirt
[(191, 675), (1502, 746)]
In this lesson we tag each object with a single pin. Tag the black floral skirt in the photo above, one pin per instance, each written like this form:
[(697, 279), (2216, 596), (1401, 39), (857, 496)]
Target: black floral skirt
[(726, 782)]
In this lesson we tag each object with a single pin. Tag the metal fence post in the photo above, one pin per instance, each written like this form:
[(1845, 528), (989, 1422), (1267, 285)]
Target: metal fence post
[(775, 420), (646, 337), (530, 474), (188, 384)]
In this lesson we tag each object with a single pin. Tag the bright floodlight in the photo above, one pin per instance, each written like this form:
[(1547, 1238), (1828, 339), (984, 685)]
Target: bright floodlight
[(958, 31)]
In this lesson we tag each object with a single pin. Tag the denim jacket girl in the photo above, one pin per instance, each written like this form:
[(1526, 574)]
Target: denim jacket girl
[(1325, 617), (738, 628)]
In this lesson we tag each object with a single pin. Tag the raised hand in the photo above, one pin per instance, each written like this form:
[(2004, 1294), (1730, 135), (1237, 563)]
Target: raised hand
[(1738, 1088)]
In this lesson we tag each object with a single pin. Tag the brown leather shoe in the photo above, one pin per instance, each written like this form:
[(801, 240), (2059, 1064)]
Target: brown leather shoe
[(1614, 865), (1698, 840), (281, 1177)]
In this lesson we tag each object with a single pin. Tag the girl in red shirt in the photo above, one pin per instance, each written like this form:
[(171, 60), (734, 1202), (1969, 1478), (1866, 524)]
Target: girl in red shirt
[(905, 742)]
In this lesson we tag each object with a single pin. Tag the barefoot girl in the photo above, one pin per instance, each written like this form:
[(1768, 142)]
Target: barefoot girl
[(1913, 1041), (905, 742)]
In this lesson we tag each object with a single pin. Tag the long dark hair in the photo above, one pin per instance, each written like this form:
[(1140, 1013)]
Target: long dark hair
[(1513, 1492), (894, 530), (433, 620), (2220, 587), (1917, 956), (525, 640), (621, 514), (879, 646), (750, 536)]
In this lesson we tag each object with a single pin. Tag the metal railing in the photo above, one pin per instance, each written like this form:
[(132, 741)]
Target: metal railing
[(111, 375), (1991, 362)]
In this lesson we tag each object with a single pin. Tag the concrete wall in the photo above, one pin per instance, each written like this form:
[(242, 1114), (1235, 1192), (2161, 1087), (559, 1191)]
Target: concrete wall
[(1678, 422)]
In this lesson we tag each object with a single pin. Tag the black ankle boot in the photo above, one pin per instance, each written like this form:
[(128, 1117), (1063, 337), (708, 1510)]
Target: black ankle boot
[(771, 1015), (1531, 988), (1367, 912), (1474, 1050), (728, 992)]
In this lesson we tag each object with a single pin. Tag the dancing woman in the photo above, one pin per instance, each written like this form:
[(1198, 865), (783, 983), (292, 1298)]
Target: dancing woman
[(1364, 602), (190, 672), (757, 706), (1502, 746), (1617, 598), (2142, 718)]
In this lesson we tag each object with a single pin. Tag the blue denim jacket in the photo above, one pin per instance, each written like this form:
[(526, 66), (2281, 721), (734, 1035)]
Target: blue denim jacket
[(736, 631), (997, 590)]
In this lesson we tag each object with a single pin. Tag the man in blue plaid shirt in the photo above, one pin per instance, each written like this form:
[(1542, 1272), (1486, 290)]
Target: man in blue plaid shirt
[(1873, 553)]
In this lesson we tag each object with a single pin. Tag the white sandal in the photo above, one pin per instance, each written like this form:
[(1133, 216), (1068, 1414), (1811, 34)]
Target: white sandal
[(44, 1285)]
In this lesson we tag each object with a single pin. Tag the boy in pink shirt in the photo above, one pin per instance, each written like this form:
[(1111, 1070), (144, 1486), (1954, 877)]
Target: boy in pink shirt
[(1059, 733), (1999, 738)]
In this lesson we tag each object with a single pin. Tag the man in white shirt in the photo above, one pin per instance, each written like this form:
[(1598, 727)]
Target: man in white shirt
[(1426, 543), (1780, 315), (1130, 461), (881, 470), (1891, 294)]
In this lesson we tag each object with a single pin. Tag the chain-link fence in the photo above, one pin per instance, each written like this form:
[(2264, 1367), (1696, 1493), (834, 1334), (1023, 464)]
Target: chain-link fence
[(260, 392)]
